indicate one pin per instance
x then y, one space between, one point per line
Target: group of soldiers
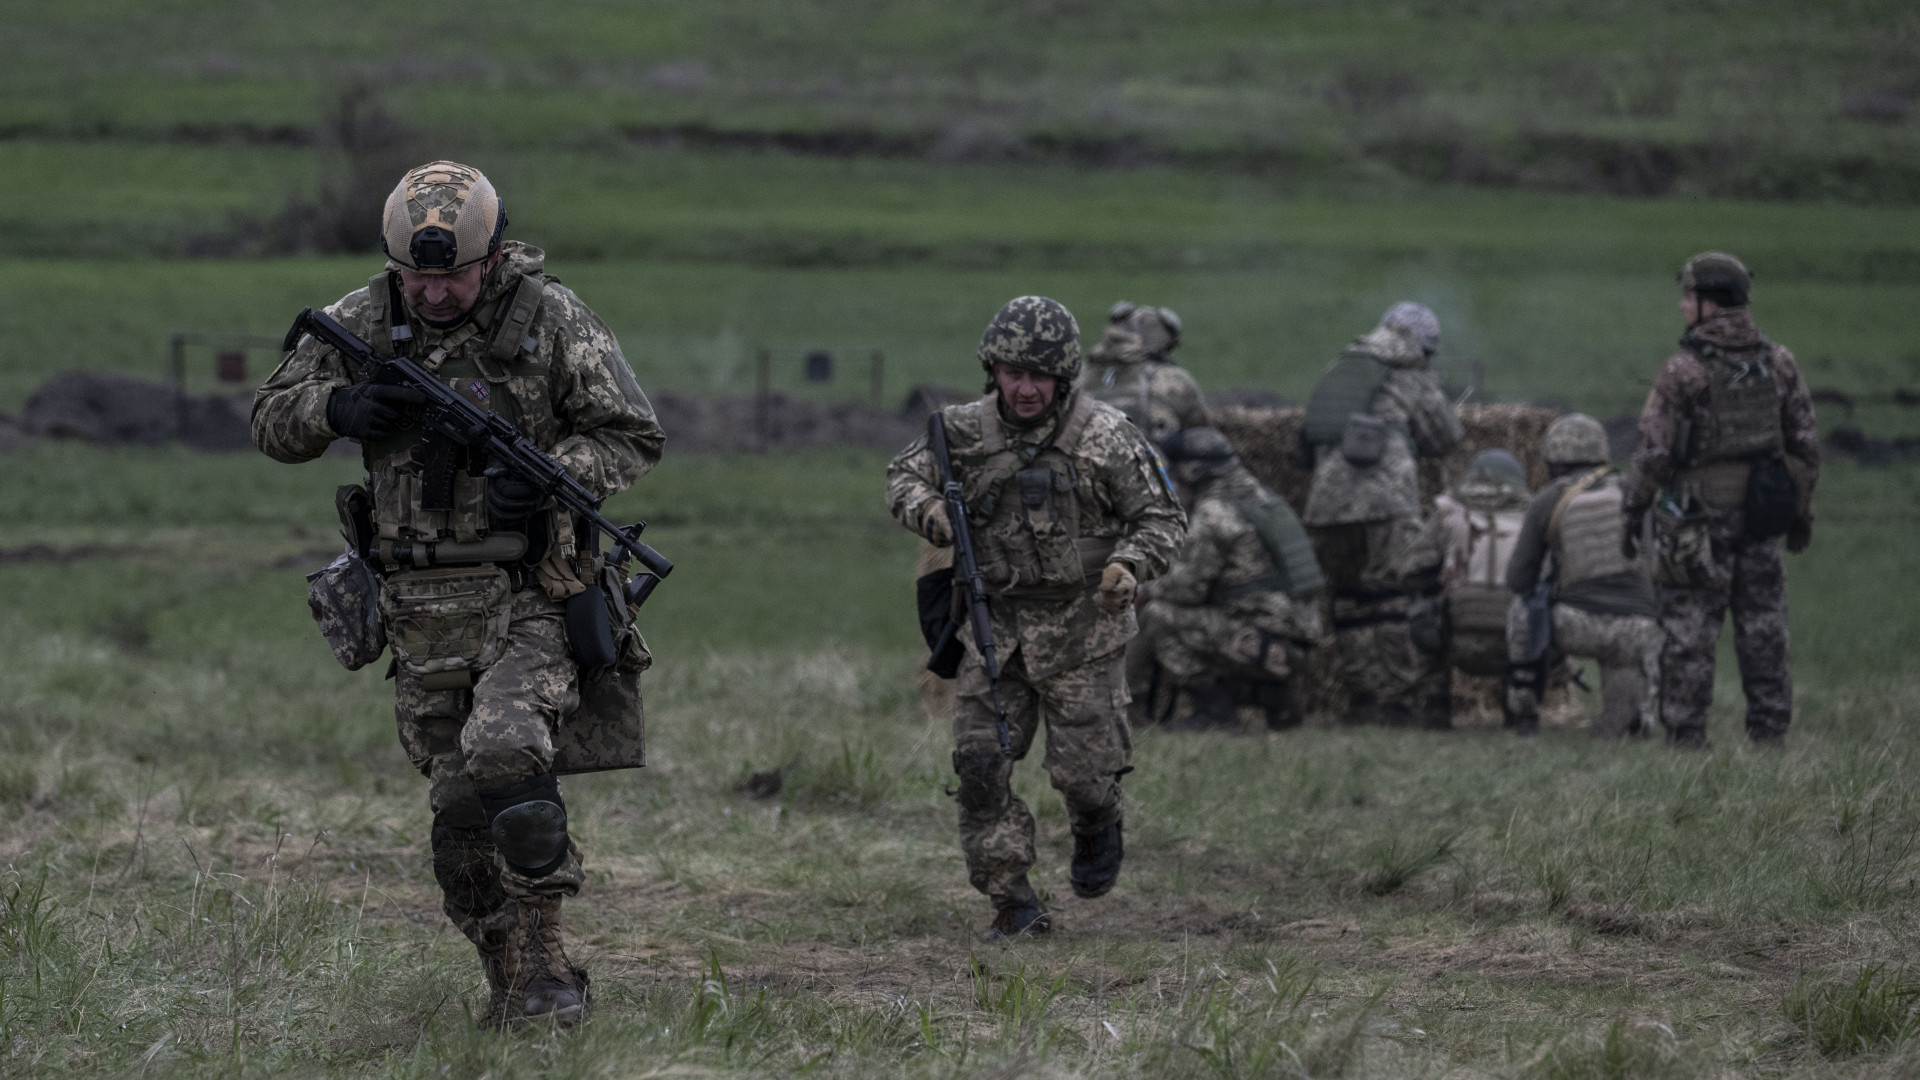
1124 550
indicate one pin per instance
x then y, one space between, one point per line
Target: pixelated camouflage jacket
1223 550
1681 397
1123 495
1422 420
576 397
1158 396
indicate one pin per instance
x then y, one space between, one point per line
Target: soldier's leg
1520 702
1759 601
1690 623
518 703
1414 687
1614 642
1088 749
464 861
1187 648
996 828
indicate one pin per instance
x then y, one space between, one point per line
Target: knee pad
983 781
464 868
528 824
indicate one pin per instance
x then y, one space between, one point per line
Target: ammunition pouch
447 625
345 600
1363 442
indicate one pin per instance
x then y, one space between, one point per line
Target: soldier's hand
510 500
370 410
935 526
1116 588
1799 535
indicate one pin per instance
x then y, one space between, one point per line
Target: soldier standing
484 675
1374 412
1132 369
1602 601
1069 509
1236 616
1728 432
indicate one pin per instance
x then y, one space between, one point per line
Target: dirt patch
109 409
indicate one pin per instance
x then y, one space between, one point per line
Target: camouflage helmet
1496 467
1418 321
1158 327
1034 333
1576 439
442 217
1198 452
1724 278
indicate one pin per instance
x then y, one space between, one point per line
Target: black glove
369 410
1799 535
510 500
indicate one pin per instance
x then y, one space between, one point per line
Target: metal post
177 362
876 376
763 398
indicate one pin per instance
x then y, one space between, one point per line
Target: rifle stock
967 567
489 438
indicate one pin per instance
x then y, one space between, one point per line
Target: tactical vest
1586 531
1743 406
1347 388
1296 571
1024 501
1477 603
428 489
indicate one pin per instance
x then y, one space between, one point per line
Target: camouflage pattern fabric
1159 397
1423 422
1124 498
1747 578
1680 402
1627 648
1035 333
1088 744
1374 570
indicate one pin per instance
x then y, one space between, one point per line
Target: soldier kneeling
1232 622
1596 603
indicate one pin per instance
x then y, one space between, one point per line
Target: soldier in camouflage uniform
1728 433
1601 602
1132 370
486 682
1069 509
1376 411
1477 522
1235 617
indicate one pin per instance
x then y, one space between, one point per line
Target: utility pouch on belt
590 629
345 599
445 621
1682 551
1773 500
1363 442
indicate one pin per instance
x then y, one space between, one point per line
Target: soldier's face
1027 393
445 299
1693 309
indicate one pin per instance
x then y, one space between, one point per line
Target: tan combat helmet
1576 439
1718 277
1158 327
1034 333
442 217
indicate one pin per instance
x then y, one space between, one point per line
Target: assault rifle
488 439
967 568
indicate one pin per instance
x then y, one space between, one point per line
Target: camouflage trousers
1374 570
499 732
1180 646
1088 746
1749 579
1627 648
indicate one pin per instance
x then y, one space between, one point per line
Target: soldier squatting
1106 601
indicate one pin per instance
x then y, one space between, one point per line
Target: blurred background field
215 853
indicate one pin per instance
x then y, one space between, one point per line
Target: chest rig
427 488
1024 502
1743 405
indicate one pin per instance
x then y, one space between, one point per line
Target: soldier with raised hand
1069 509
1236 617
1728 434
485 678
1375 412
1132 369
1602 604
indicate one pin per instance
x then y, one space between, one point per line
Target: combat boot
1024 919
541 985
1096 861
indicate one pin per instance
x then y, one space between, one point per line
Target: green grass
216 854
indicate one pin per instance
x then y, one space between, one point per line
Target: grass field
216 854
